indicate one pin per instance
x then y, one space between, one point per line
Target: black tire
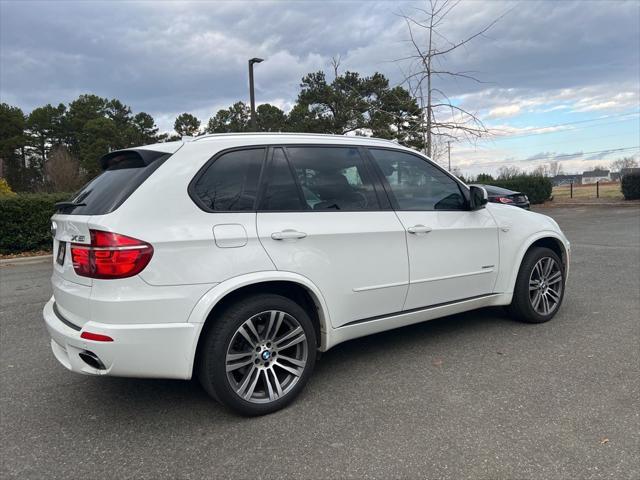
521 307
213 354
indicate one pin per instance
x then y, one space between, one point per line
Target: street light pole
252 95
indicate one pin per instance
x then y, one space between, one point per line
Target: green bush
536 187
25 221
630 186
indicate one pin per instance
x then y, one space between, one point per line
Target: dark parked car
505 196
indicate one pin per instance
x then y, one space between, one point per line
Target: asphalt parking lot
470 396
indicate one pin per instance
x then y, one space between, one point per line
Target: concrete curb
25 260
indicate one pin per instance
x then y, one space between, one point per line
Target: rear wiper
60 205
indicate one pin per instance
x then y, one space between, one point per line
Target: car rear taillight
110 255
504 200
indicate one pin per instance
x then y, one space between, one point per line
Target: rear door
321 216
453 252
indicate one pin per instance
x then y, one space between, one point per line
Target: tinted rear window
112 187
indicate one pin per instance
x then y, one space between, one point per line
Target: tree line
56 148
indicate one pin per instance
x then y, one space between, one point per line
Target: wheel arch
293 286
547 239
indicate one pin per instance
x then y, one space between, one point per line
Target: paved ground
470 396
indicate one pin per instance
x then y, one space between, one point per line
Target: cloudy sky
561 79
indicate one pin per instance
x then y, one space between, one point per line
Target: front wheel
258 354
539 287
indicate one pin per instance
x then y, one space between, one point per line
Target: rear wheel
258 355
539 287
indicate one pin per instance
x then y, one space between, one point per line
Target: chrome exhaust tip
92 360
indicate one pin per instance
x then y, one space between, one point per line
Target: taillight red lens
504 200
110 255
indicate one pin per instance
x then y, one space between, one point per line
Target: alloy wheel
266 357
545 286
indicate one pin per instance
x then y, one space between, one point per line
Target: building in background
566 179
593 176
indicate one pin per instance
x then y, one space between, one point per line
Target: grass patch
609 191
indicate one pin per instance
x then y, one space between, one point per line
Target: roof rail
288 134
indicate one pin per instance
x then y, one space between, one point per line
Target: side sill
401 313
369 326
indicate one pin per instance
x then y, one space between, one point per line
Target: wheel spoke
547 268
537 271
295 371
276 382
246 336
272 319
534 285
289 335
237 356
554 277
545 304
245 381
300 337
252 386
234 366
267 382
298 363
536 300
252 328
553 295
278 325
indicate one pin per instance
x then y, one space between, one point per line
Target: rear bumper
138 350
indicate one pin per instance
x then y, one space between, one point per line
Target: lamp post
252 95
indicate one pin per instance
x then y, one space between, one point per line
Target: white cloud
504 112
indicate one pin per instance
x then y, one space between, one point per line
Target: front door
453 252
320 216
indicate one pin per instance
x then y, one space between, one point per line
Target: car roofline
294 135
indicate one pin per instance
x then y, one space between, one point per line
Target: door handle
288 234
417 229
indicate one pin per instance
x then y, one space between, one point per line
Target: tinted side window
281 192
230 183
333 178
416 184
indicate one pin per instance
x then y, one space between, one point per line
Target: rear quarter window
229 182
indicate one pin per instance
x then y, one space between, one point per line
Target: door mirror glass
478 197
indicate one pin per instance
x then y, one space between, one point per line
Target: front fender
510 276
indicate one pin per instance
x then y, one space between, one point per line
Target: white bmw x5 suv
236 258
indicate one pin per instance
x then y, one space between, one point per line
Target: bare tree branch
442 118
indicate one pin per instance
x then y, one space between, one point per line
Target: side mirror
478 197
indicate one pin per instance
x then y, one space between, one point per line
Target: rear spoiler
143 155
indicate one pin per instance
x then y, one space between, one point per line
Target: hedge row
25 221
537 188
630 186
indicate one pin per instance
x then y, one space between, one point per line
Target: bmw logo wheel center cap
264 355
